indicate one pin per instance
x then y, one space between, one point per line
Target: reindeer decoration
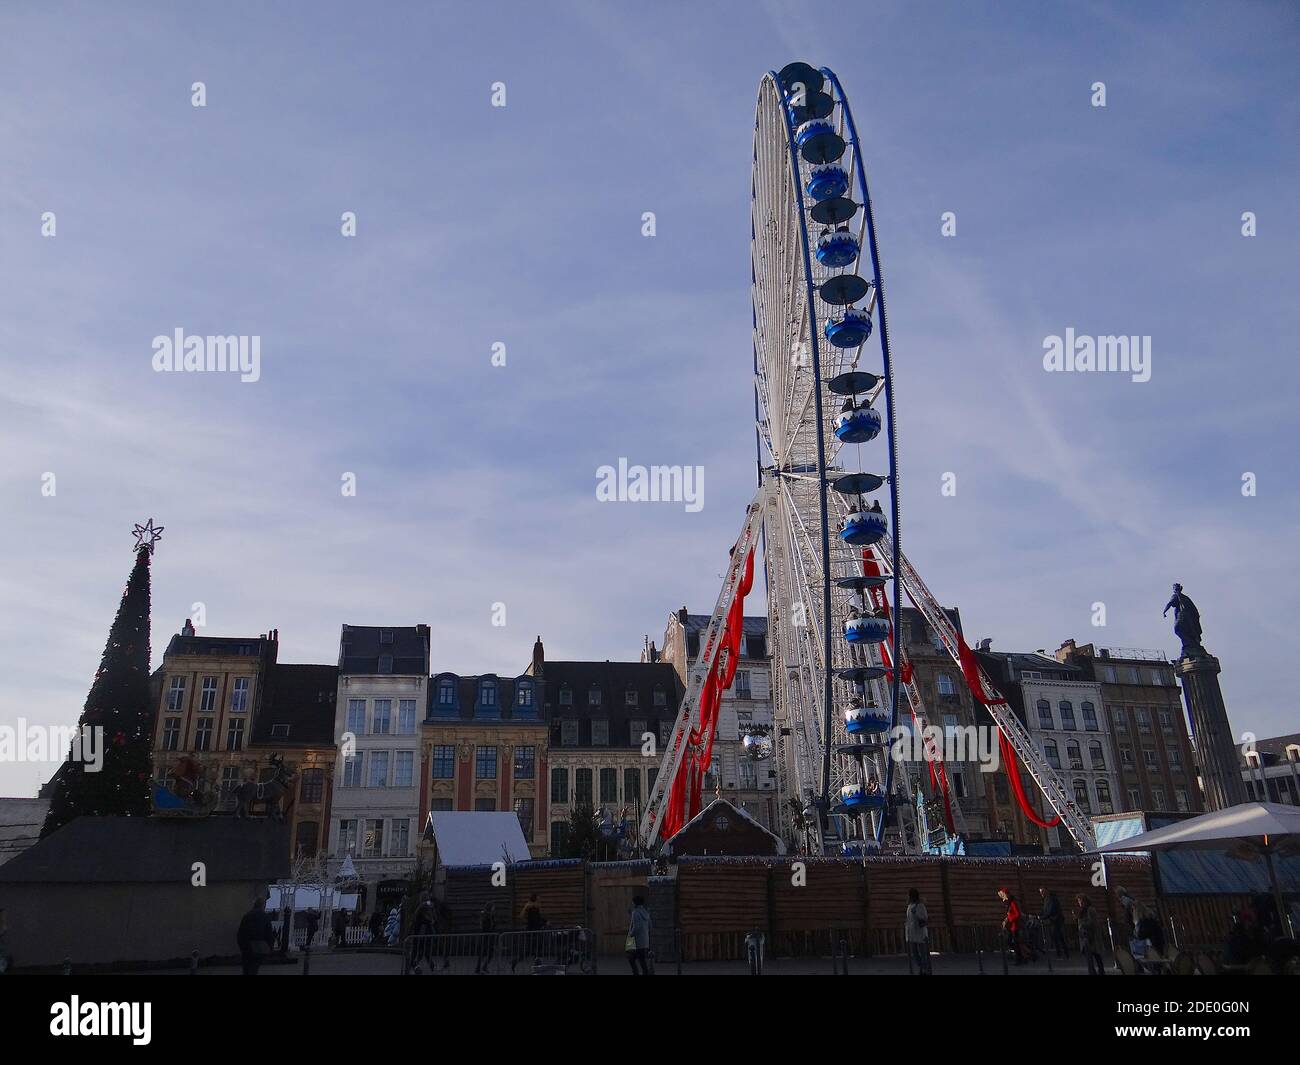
272 792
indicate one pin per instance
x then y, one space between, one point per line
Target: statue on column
1187 623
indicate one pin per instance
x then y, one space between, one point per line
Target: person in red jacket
1011 924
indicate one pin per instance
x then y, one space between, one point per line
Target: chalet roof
731 808
117 850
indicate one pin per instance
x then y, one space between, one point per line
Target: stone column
1216 752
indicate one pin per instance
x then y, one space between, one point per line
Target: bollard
1004 946
67 966
844 953
677 945
1048 955
979 948
194 963
306 959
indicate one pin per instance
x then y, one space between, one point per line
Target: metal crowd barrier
548 952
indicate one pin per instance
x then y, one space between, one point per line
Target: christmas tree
118 708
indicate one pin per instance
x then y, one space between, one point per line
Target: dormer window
279 732
593 697
488 693
661 697
566 696
629 698
385 663
385 635
525 697
446 693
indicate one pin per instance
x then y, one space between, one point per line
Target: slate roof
301 697
120 850
360 649
613 680
467 694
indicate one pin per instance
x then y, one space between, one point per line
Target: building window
356 716
208 695
1174 758
525 763
1158 798
747 773
485 806
176 694
1180 796
1081 796
665 733
945 685
372 843
485 763
400 845
443 760
385 635
352 771
203 735
1045 714
312 788
635 730
1149 757
600 733
559 838
566 696
631 785
629 698
235 734
582 785
1072 753
1000 789
569 732
440 806
1097 755
1126 755
171 733
593 697
280 732
381 723
488 693
1067 715
385 663
406 717
1121 722
525 696
524 811
446 693
229 780
1103 797
1089 716
1166 721
347 838
1144 720
661 696
651 775
1052 755
609 785
404 769
559 785
756 646
743 691
239 696
378 769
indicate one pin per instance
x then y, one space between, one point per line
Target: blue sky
522 225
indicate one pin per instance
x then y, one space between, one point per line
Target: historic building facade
1144 708
747 784
382 698
226 706
483 746
608 722
1270 769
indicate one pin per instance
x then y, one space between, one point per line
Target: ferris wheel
827 517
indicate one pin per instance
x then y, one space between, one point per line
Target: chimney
985 645
539 658
1066 651
188 628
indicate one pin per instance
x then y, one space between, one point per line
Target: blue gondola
836 248
866 630
862 797
860 848
818 142
857 426
869 718
850 330
828 181
864 527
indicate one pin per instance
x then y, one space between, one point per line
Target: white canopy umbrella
1252 828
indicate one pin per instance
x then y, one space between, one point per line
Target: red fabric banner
1017 786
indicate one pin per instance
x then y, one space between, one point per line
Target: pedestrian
393 926
286 927
534 922
339 922
442 924
1128 916
376 926
1011 924
487 941
638 937
311 921
1054 922
256 935
421 929
1089 935
916 930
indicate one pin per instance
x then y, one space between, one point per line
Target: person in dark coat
487 944
376 926
1054 922
1089 935
340 927
256 935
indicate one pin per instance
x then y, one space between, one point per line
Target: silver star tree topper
147 535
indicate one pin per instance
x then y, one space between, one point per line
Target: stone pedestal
1216 751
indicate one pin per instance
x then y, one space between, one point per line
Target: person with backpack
916 931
